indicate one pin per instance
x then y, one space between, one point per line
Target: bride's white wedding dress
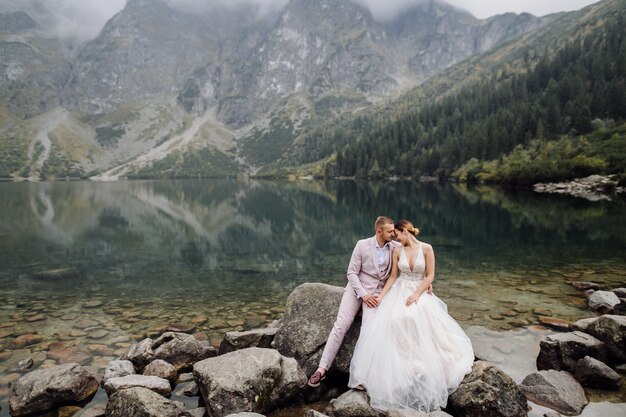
410 357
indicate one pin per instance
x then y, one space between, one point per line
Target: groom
369 268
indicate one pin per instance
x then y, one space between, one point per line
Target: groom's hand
370 300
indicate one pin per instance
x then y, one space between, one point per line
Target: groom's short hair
381 221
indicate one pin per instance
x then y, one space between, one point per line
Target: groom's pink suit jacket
365 276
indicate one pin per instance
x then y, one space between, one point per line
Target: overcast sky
83 19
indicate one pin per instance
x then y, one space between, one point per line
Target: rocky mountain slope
163 91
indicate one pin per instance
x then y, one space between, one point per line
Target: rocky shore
593 187
256 372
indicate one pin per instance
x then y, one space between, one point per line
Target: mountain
164 91
548 106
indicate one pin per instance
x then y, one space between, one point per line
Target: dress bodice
419 266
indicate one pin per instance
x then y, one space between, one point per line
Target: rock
261 338
181 350
552 414
185 377
313 413
153 383
45 389
57 274
141 402
555 322
23 365
93 304
252 379
245 415
583 324
195 412
70 355
180 328
557 390
26 340
140 354
438 413
117 369
603 301
562 351
98 334
407 413
592 373
611 329
353 403
620 292
85 324
189 389
585 285
487 391
310 313
162 369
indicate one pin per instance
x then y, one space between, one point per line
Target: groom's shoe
315 379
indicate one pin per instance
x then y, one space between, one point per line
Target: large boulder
261 338
118 368
353 403
310 313
140 354
252 379
557 390
48 388
141 402
487 391
591 372
178 349
611 329
603 301
562 351
181 350
162 369
153 383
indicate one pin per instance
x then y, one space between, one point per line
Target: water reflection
224 255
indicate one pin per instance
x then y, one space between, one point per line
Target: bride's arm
429 256
394 274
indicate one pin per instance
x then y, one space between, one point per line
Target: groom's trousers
348 310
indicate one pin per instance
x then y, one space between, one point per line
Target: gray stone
153 383
353 403
181 350
313 413
562 351
252 338
195 412
592 373
116 369
162 369
611 329
407 413
557 390
252 379
140 354
245 415
583 324
603 301
48 388
487 391
142 402
310 313
23 365
438 413
552 414
188 389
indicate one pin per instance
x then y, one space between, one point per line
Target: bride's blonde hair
403 225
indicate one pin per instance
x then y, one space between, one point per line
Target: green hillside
557 94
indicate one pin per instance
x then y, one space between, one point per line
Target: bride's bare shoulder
427 246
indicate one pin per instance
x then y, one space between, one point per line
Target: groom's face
387 232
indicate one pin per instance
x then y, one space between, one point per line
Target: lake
133 257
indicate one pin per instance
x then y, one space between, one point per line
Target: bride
411 353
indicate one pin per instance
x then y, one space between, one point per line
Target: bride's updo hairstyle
403 225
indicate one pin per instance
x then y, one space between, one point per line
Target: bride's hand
412 299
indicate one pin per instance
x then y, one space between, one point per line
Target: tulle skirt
410 357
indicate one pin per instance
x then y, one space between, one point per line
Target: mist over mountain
168 80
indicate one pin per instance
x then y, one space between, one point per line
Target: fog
81 20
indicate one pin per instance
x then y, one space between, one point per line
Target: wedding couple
410 353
